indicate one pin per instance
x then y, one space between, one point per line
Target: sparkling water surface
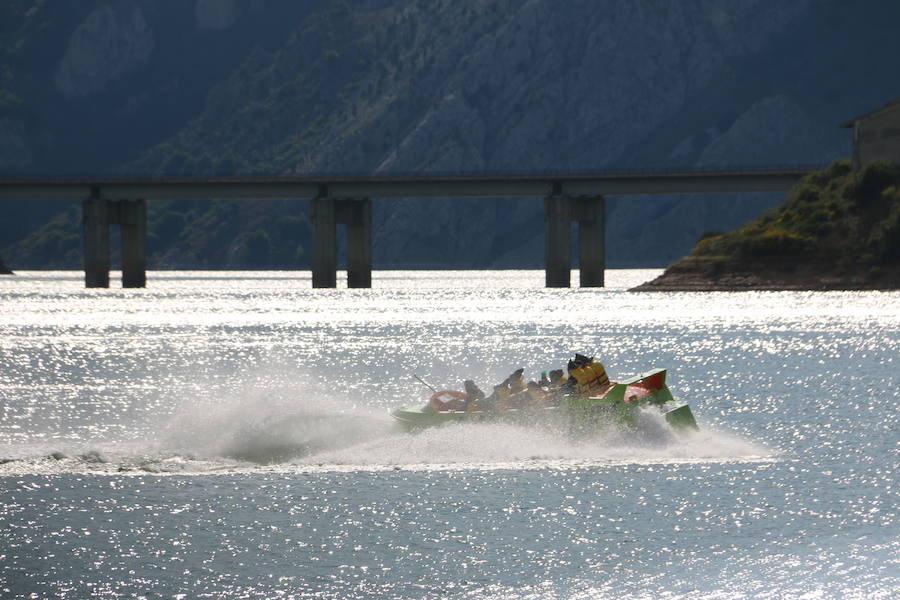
226 435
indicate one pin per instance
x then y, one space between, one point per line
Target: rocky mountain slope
269 86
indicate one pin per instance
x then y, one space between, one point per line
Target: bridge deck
394 186
347 199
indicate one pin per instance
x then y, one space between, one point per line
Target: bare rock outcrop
540 88
774 130
112 41
223 86
215 15
14 150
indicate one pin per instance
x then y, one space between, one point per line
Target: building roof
890 104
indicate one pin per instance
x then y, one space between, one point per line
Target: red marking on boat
653 382
635 391
445 400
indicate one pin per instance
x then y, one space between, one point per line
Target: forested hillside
273 86
838 229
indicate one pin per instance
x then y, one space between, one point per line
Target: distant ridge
838 230
414 86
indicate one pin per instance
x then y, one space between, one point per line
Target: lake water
226 435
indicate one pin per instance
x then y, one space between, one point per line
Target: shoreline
771 281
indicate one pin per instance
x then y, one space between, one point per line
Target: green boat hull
618 407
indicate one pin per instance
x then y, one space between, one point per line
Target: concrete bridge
347 200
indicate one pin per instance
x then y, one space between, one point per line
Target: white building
876 135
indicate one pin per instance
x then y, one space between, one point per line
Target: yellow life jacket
590 378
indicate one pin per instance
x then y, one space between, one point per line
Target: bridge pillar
324 242
95 219
557 255
326 214
97 215
359 242
590 213
133 219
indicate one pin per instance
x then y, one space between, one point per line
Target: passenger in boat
579 362
517 381
556 378
536 395
518 390
489 404
586 376
512 392
501 395
502 391
554 388
475 399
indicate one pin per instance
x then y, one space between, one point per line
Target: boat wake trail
504 445
313 433
275 429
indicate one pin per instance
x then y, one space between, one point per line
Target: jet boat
614 404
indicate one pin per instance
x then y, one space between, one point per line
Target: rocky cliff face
113 40
215 15
14 149
482 85
550 87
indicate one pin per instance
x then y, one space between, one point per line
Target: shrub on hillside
884 241
864 187
775 242
833 214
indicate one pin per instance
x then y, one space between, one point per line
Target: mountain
153 87
838 229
